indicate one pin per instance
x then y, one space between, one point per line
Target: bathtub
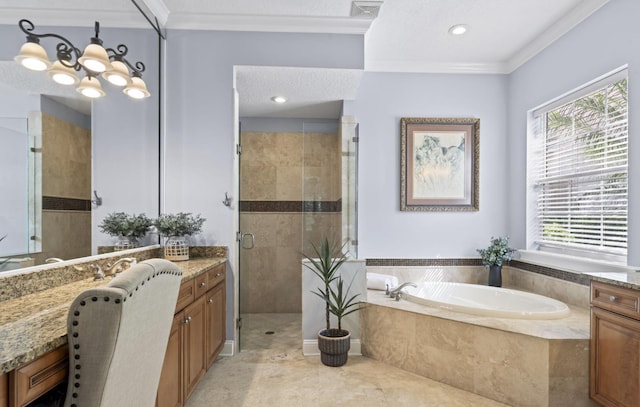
486 301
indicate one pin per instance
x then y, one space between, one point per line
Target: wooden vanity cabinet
4 390
216 318
614 377
170 388
32 380
200 312
193 334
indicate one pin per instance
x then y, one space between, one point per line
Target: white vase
176 249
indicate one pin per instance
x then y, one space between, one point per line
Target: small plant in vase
128 228
493 256
175 227
334 343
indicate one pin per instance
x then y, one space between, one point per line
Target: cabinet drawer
216 275
616 299
186 295
202 284
36 378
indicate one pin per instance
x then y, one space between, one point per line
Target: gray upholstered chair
118 336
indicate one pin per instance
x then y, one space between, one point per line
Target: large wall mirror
61 151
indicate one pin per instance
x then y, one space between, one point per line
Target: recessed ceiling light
458 29
279 99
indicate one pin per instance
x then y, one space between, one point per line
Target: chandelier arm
136 69
66 52
118 53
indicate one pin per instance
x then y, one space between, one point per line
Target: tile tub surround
569 292
36 323
517 362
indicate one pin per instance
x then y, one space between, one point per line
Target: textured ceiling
407 35
311 93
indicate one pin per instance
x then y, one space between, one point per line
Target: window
577 172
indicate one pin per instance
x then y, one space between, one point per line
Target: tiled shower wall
290 195
66 190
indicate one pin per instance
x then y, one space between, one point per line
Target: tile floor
271 371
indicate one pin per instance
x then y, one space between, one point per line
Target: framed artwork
439 164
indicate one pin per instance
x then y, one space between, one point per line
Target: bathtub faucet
397 292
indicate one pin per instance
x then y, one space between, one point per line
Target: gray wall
384 98
199 142
598 45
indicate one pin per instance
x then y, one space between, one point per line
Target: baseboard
229 348
310 347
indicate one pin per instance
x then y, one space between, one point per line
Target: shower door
330 184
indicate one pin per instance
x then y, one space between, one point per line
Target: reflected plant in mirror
128 228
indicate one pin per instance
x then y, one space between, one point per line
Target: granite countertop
34 324
629 279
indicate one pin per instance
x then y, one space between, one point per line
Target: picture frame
439 164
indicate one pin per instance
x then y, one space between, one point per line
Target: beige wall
282 170
66 173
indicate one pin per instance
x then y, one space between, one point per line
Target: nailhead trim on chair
75 323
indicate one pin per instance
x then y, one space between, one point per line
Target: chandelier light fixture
94 61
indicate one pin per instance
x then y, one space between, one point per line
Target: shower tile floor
271 371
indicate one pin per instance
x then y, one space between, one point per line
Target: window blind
581 174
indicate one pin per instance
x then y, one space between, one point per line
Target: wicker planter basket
176 249
334 347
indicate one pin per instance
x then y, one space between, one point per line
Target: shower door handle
243 241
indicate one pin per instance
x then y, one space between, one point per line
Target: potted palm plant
333 343
175 227
128 228
493 257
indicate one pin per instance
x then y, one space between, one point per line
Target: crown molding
580 13
434 67
159 10
297 24
74 18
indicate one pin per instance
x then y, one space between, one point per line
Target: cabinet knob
202 284
218 275
210 301
613 298
186 320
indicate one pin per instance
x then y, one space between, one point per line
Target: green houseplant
493 256
175 227
334 343
129 228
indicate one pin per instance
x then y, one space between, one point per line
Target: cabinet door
615 359
194 345
170 388
4 390
216 315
